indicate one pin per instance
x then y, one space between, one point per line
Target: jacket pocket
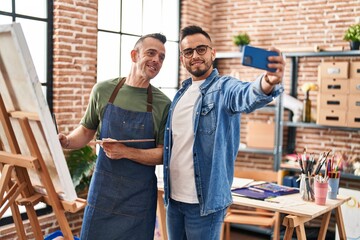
207 121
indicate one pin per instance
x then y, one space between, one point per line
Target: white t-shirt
182 181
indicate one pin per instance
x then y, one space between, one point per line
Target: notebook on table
264 190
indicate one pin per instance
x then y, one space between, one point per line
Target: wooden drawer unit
354 103
331 117
353 119
354 86
336 86
339 70
355 70
333 101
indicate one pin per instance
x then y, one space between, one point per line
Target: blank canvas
21 91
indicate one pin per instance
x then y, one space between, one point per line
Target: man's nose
157 58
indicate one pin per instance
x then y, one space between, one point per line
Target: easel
15 184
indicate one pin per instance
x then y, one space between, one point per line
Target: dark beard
200 72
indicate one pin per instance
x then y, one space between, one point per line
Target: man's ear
213 54
134 55
182 60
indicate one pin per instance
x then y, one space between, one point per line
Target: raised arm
77 138
270 79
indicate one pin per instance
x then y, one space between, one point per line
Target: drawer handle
333 102
332 118
334 86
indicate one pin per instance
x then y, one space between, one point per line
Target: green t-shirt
128 98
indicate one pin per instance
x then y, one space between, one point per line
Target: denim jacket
216 121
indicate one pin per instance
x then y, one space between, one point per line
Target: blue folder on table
264 190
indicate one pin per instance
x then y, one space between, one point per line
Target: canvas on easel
30 152
351 214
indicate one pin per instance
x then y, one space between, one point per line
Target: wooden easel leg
46 179
14 192
5 179
34 222
23 178
19 226
5 183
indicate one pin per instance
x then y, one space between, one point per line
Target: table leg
324 225
288 233
292 222
340 223
300 232
289 229
161 213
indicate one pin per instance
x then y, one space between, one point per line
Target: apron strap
116 90
149 99
121 83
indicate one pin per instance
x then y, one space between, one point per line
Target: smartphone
257 58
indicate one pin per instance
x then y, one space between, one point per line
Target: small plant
241 39
352 34
81 163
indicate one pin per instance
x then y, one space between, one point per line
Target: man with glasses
202 137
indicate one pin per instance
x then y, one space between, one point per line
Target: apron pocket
123 195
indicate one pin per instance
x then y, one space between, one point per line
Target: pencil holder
321 189
307 187
333 188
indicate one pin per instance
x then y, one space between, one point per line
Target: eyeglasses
201 50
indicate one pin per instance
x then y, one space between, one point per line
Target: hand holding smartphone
257 58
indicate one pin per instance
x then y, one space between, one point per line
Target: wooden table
299 212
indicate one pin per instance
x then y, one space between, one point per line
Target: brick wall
198 12
48 224
75 55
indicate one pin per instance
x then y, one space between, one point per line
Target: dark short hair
157 36
191 30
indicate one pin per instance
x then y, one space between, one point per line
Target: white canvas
21 91
351 214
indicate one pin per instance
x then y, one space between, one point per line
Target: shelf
314 125
257 150
292 168
352 53
267 108
228 55
349 176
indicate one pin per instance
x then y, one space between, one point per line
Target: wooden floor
237 234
